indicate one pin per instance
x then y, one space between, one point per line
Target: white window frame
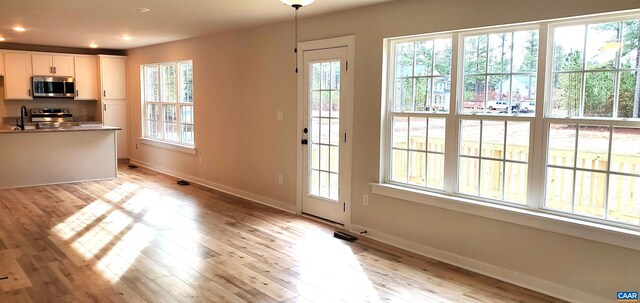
484 116
390 113
162 142
533 214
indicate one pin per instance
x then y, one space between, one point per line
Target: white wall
242 78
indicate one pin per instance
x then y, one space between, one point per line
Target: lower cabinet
114 113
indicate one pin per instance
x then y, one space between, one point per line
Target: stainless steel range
51 115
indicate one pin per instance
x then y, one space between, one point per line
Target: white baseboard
539 285
219 187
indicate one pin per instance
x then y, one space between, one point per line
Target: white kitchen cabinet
113 95
17 76
113 77
1 64
86 78
52 65
114 113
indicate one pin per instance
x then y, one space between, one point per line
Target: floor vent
344 236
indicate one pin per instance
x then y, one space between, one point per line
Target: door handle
51 69
77 93
29 92
104 93
105 107
55 70
304 142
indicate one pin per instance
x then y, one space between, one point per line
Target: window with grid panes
589 165
418 111
593 155
168 102
499 77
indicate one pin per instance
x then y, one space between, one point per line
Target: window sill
167 145
540 220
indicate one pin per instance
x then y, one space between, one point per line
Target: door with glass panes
324 151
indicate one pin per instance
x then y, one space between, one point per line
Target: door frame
349 43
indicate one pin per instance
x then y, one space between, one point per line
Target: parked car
497 105
526 107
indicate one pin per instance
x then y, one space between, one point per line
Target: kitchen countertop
81 128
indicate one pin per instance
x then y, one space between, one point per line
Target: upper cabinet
17 78
1 64
52 65
113 76
86 78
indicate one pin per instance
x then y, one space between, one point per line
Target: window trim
388 105
169 145
612 232
544 220
162 142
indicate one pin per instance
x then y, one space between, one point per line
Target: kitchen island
61 155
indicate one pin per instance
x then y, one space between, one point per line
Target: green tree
629 95
475 63
530 61
568 85
631 43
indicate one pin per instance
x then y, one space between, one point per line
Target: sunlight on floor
112 232
107 230
330 265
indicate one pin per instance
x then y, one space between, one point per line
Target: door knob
304 141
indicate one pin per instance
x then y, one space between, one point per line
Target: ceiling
78 23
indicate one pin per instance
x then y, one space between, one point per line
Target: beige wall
242 78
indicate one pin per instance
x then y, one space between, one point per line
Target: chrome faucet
23 113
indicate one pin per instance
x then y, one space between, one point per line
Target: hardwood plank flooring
143 238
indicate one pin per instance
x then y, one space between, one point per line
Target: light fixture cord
295 48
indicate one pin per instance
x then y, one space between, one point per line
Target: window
580 125
167 90
500 72
499 76
595 70
493 159
591 160
421 95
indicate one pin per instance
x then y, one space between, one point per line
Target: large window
562 141
421 97
499 76
167 95
593 154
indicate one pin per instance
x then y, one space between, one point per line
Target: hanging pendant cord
295 48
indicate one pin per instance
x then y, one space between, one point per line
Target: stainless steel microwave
53 87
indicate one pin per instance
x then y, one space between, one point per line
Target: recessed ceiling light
141 10
125 37
19 29
93 45
2 39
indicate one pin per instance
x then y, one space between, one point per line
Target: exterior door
324 151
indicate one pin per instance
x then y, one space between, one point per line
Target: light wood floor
143 238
